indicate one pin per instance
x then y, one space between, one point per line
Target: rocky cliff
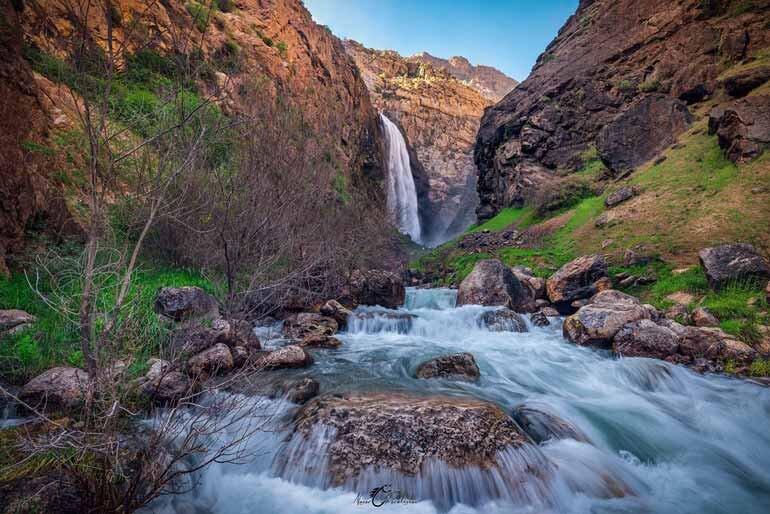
489 81
622 80
439 116
273 42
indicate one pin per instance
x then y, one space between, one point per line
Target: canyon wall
439 115
621 80
489 81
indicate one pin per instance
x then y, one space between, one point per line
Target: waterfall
402 195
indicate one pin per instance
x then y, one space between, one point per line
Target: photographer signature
383 495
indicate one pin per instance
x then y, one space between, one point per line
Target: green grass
505 218
53 340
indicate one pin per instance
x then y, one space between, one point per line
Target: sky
506 34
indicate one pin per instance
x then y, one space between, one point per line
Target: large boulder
306 324
287 357
503 320
180 303
460 366
727 263
642 132
576 280
743 127
193 338
164 385
336 310
716 345
377 287
14 319
492 283
56 389
535 285
214 361
598 322
401 433
645 338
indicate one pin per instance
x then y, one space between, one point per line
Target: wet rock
619 196
306 324
542 426
320 341
550 312
236 332
598 322
303 390
180 303
716 345
743 127
164 385
377 287
640 133
460 366
702 317
401 433
535 285
14 319
645 338
503 320
336 310
492 283
539 319
215 361
576 280
742 83
727 263
56 389
291 356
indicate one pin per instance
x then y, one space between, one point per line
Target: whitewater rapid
682 442
402 193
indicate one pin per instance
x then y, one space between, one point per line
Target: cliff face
273 42
621 76
489 81
439 116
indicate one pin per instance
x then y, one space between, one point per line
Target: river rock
716 345
59 388
619 196
503 320
539 319
216 360
336 310
576 280
163 385
492 283
306 324
236 332
377 287
535 285
702 317
180 303
319 341
460 366
240 354
645 338
400 433
14 319
727 263
550 312
302 391
542 426
598 322
193 338
743 127
291 356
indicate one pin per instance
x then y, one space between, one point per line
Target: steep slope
630 66
273 43
489 81
439 116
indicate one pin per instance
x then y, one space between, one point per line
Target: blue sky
506 34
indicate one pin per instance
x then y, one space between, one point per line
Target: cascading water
649 437
402 194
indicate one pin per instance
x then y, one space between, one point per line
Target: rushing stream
682 442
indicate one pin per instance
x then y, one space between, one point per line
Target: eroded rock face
743 127
400 433
490 82
597 323
727 263
377 287
641 132
291 356
306 324
503 320
56 389
181 303
492 283
576 280
460 366
742 83
607 59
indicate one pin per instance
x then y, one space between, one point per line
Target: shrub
201 14
282 48
649 86
625 86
